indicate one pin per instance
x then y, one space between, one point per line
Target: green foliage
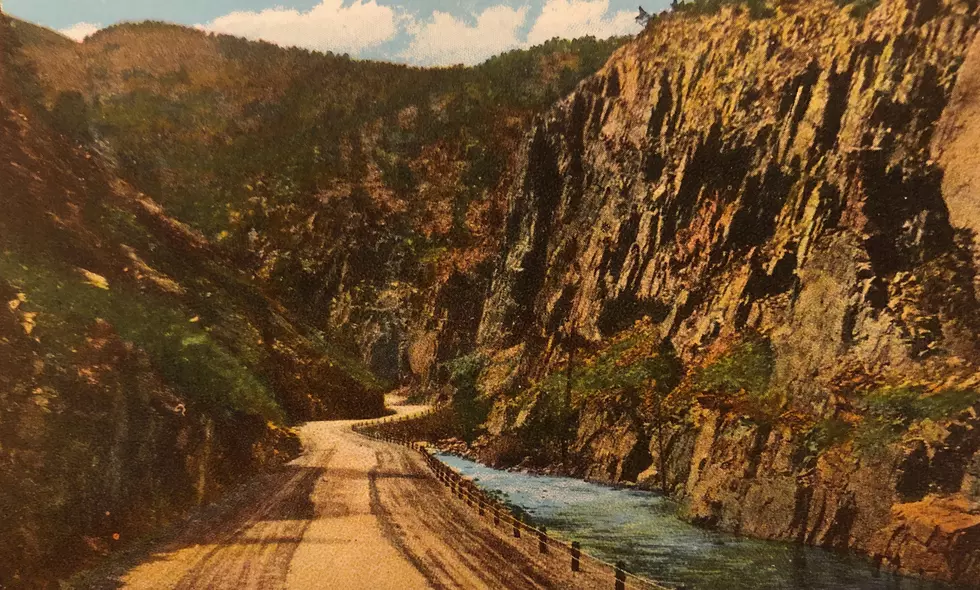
827 434
874 437
464 372
470 409
756 8
635 372
746 368
70 116
184 353
890 411
617 370
859 8
905 405
536 77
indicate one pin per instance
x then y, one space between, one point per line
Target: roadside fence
488 508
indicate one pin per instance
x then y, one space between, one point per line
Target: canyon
733 259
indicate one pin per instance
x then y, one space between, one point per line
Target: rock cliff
779 180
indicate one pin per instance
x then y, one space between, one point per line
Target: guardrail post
496 515
517 527
576 556
543 540
482 509
620 575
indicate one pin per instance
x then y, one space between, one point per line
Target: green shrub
70 116
827 434
859 8
757 8
906 405
618 369
464 372
741 375
635 372
470 409
890 411
746 368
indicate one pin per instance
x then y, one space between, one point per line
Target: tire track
349 513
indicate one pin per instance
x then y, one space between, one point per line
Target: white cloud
577 18
446 40
437 39
329 26
79 31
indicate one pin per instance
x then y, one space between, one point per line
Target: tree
572 342
70 116
644 17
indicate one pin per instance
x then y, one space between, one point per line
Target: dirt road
349 513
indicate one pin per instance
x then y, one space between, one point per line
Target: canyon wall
725 178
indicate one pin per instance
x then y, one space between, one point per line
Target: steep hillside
139 376
366 196
740 227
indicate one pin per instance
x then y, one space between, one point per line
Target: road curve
349 513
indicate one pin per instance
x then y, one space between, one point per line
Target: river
642 529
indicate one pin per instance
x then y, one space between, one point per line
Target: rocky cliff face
782 177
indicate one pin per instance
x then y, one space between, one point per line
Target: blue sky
425 32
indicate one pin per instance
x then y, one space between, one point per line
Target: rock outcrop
723 176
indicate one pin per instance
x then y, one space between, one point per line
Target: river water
642 529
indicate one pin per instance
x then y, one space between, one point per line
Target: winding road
349 513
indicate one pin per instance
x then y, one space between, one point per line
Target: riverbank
643 529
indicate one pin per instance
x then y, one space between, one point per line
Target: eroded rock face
956 146
722 175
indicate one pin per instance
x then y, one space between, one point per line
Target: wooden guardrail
501 515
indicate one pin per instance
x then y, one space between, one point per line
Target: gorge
732 259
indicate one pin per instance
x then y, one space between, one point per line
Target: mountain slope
139 376
362 195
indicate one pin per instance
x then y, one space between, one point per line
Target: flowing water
642 529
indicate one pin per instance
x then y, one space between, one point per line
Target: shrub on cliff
636 372
739 373
630 364
859 8
757 8
889 412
